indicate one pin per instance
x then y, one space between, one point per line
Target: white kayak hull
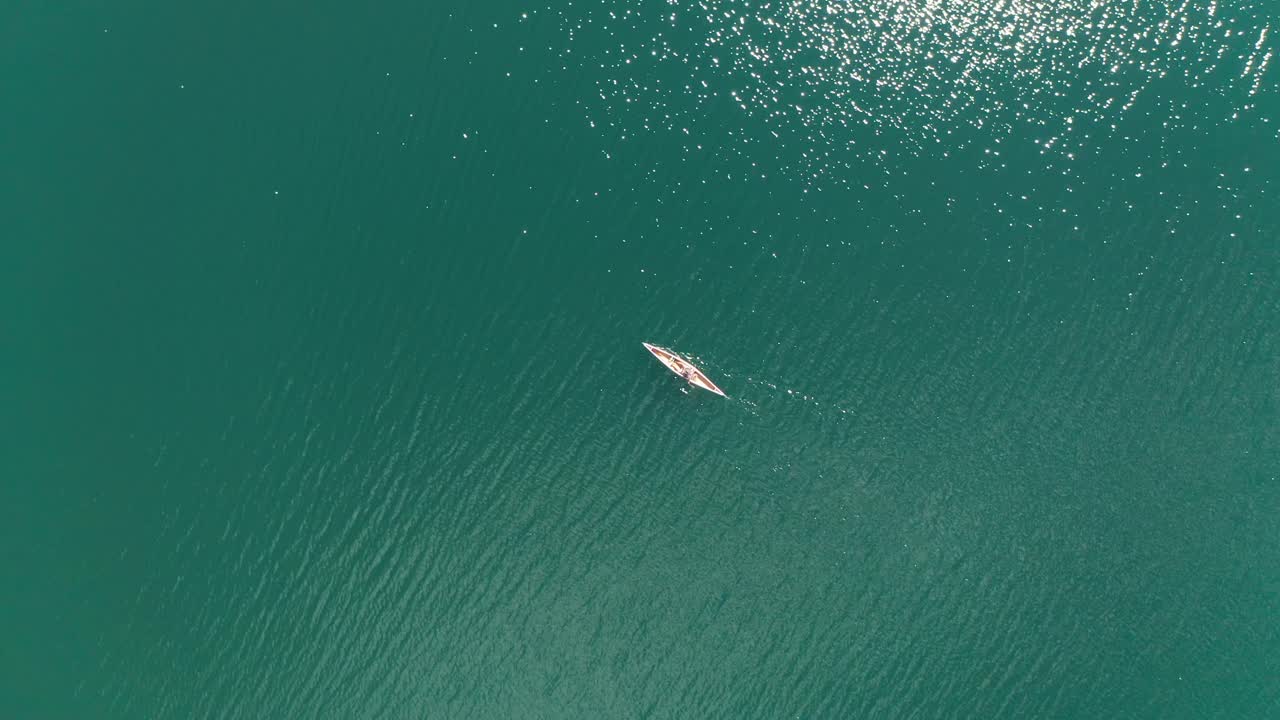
683 368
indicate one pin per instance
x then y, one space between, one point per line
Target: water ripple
817 83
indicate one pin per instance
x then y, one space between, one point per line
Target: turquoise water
325 394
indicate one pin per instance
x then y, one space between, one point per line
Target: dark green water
324 393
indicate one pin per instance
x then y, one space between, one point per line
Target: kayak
683 368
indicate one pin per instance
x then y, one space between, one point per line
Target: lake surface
324 393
